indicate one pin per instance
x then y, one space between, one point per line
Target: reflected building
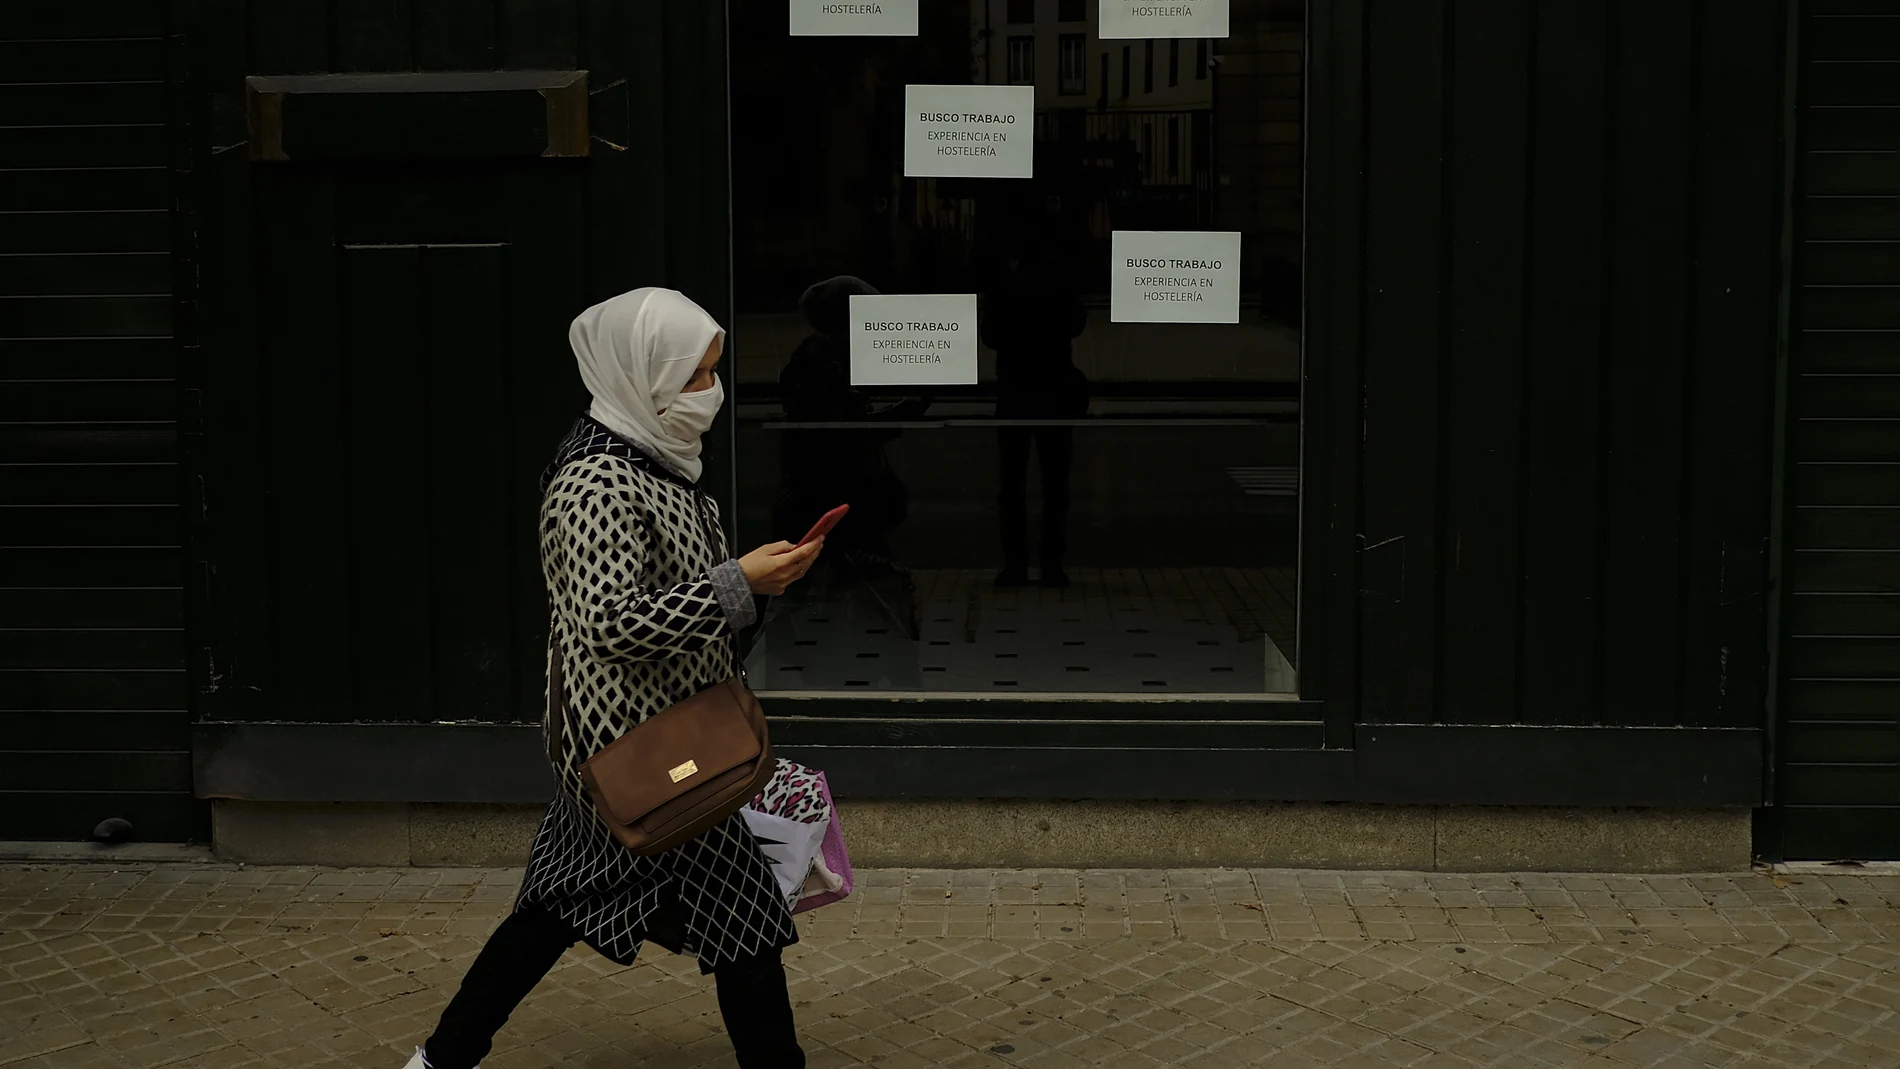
1123 128
1168 134
1128 129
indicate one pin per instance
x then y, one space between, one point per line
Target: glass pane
1111 506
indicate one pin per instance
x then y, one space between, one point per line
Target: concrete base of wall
365 834
1014 834
1312 836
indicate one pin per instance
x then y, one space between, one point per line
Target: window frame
1019 45
1299 722
1079 84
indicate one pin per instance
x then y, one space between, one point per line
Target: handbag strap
557 715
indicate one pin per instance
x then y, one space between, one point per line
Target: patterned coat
644 601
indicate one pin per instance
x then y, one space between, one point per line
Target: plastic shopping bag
798 831
831 869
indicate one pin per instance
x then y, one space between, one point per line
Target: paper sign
864 18
1167 276
913 340
1122 19
969 131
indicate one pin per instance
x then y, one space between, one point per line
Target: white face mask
692 414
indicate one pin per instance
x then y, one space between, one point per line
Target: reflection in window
1113 508
1074 62
1022 61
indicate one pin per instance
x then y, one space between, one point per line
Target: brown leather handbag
678 772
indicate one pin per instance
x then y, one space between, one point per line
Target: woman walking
644 602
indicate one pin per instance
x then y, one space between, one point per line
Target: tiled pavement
220 967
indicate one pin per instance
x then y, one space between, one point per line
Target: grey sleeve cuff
735 595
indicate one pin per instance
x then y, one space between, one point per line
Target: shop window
1104 506
1072 10
1074 63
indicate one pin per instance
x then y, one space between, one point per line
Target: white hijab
636 353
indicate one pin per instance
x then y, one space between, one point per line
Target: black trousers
1055 449
753 999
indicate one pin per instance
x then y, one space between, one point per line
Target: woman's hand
770 569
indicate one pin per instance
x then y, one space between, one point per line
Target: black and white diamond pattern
640 627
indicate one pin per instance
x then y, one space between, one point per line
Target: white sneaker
417 1061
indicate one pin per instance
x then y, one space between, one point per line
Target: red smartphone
824 525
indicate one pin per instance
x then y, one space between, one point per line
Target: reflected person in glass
1030 318
824 467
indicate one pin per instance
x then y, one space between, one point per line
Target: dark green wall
93 694
1839 778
